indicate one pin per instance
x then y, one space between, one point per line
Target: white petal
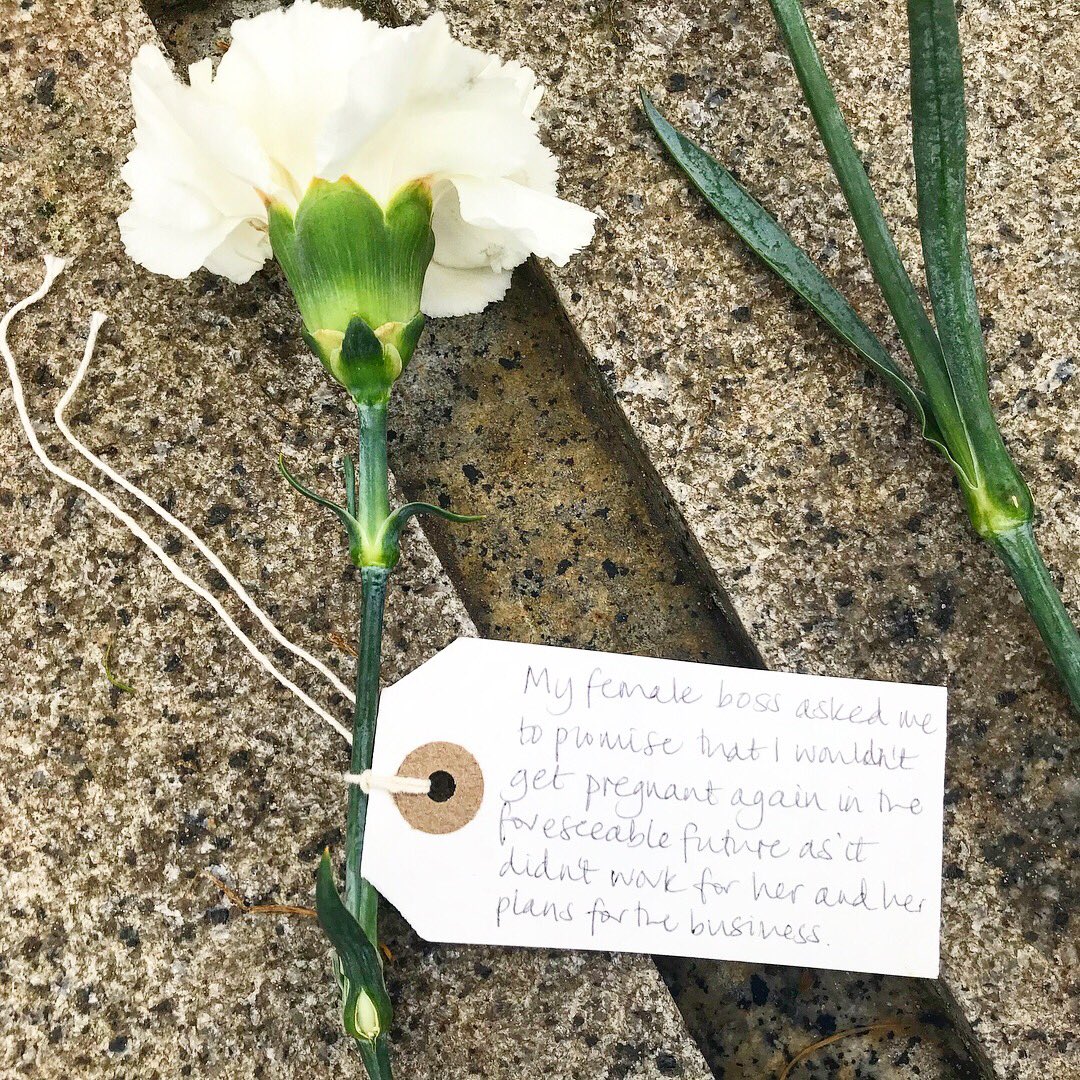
206 138
403 67
285 75
477 131
164 249
450 291
241 254
192 172
465 246
543 224
523 79
308 91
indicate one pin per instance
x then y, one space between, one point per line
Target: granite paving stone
581 552
121 956
838 538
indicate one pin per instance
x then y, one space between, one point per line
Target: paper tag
630 804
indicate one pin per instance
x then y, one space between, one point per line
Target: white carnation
311 92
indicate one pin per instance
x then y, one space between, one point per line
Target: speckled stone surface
838 538
500 413
752 1021
119 957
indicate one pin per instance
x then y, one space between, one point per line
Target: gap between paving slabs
505 413
500 407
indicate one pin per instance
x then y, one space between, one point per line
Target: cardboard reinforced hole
443 786
457 788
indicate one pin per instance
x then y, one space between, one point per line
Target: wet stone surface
120 956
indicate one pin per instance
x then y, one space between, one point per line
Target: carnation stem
1021 555
353 924
360 898
376 1058
373 488
373 509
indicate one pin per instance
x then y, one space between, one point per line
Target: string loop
53 267
367 782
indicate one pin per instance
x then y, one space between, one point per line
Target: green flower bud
357 272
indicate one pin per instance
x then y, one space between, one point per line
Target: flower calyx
366 361
357 273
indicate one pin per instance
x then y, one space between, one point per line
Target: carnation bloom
318 103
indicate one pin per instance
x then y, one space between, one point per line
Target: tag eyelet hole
443 786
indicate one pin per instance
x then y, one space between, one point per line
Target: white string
53 267
368 782
148 501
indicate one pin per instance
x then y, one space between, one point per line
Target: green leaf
352 526
391 531
914 324
998 498
349 469
376 1059
366 1009
764 236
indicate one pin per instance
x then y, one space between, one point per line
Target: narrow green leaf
939 141
914 324
360 968
306 491
997 496
390 533
349 469
389 539
352 526
376 1058
413 509
764 236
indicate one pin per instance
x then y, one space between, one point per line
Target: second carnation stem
1019 552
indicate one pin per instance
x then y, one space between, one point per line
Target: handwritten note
645 805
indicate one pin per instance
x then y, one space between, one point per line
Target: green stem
1021 555
373 509
376 1058
916 330
997 497
373 494
360 898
